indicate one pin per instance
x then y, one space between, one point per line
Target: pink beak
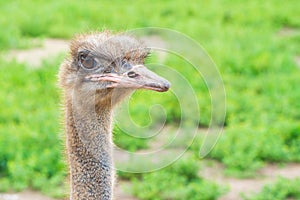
139 77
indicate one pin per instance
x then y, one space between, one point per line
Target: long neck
89 149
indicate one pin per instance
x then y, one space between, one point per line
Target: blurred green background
255 44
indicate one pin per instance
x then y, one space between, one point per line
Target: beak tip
166 86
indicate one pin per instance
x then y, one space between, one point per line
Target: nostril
132 74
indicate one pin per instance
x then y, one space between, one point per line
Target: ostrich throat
89 146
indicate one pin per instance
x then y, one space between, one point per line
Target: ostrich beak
139 77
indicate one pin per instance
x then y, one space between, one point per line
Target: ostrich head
109 66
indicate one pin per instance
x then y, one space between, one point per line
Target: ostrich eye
126 65
87 61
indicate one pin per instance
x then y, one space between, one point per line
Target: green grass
179 181
257 65
280 190
30 145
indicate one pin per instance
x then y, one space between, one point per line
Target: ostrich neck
89 149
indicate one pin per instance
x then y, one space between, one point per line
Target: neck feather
89 146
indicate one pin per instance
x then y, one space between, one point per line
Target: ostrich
102 69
